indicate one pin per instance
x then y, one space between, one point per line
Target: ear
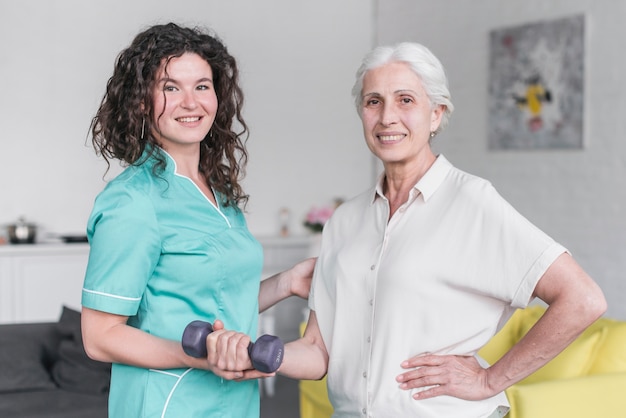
435 117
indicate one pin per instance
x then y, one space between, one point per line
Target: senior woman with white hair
418 273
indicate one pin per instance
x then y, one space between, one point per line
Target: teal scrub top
164 255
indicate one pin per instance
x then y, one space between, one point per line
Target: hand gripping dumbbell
266 353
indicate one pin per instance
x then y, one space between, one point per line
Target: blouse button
373 266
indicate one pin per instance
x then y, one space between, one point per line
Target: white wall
297 61
578 197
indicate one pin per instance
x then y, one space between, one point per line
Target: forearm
107 338
306 358
540 345
293 282
273 290
304 361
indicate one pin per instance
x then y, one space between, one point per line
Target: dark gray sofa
45 373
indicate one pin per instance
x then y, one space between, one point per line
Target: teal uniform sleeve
125 247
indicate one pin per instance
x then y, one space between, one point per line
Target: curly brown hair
121 128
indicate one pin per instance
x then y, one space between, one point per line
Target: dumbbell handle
266 354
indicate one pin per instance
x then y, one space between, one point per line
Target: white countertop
43 248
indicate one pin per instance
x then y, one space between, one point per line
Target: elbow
598 303
319 363
318 372
323 363
93 344
322 373
594 305
92 351
599 306
99 335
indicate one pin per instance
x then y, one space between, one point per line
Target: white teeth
194 119
389 138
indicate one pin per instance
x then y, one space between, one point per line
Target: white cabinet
37 280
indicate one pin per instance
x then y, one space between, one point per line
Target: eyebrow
173 80
396 92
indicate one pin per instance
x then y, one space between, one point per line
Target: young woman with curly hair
169 242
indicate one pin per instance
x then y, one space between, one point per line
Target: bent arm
108 338
575 302
304 359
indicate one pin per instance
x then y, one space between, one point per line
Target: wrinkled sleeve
519 252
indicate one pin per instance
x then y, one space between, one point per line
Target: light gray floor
284 403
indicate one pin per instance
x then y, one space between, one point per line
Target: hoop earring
143 127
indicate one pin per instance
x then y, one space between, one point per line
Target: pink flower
317 216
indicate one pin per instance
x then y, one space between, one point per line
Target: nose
189 101
388 116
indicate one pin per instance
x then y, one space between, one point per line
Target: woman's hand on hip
435 375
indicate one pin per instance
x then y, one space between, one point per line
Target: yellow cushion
499 343
314 401
611 355
583 397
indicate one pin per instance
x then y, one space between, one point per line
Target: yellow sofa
588 379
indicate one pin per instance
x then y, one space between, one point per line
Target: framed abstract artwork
536 85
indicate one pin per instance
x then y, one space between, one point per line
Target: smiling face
185 102
397 116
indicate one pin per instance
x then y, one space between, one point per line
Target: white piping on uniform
165 373
207 199
169 396
201 192
109 295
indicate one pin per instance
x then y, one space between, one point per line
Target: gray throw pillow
22 368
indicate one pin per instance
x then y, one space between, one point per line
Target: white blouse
442 276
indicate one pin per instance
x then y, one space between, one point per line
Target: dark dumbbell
266 353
